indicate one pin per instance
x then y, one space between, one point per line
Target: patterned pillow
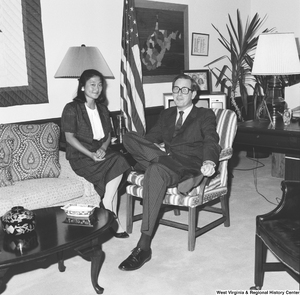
35 153
6 149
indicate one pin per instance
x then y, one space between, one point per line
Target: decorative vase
18 221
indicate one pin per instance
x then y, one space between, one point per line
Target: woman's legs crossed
110 199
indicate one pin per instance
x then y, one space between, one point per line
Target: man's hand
208 168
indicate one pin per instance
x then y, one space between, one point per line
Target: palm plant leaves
240 45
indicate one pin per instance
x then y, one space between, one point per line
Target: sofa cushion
47 192
35 153
6 149
38 193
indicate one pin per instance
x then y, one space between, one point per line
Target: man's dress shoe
136 259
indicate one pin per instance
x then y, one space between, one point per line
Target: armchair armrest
225 154
289 206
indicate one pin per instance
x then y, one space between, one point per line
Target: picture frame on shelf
168 100
215 100
202 78
200 44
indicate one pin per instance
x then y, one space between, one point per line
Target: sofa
34 173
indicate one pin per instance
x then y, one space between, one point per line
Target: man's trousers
161 172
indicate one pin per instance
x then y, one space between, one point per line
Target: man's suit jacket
196 141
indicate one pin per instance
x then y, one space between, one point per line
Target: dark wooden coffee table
53 236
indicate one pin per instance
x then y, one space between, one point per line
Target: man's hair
194 85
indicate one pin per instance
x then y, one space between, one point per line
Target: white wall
284 16
99 23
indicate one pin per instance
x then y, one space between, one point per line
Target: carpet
223 258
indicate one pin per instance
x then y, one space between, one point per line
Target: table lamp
276 55
78 59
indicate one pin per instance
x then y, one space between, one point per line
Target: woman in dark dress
87 127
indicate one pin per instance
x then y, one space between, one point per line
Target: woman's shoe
122 235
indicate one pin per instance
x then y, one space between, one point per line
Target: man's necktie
178 123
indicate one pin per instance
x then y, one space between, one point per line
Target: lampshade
78 59
276 54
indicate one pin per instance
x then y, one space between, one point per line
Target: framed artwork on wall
202 78
200 44
34 91
163 39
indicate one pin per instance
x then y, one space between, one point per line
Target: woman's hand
95 157
99 155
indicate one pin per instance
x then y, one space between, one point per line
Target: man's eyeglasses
184 90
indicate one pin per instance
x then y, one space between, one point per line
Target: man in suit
191 151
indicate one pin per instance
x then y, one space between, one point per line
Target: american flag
132 93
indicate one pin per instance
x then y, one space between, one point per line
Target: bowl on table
79 210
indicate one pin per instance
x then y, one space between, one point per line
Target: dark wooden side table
53 236
280 138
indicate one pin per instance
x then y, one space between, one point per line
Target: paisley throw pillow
6 148
35 152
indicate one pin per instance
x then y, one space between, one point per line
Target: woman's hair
85 76
194 85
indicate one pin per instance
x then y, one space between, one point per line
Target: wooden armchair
203 197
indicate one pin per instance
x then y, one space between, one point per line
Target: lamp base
275 108
274 100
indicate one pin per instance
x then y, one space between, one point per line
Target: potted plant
237 78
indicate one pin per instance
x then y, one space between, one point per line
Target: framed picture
200 44
202 78
35 90
168 100
163 39
212 101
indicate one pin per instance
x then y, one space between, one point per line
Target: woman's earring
82 88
